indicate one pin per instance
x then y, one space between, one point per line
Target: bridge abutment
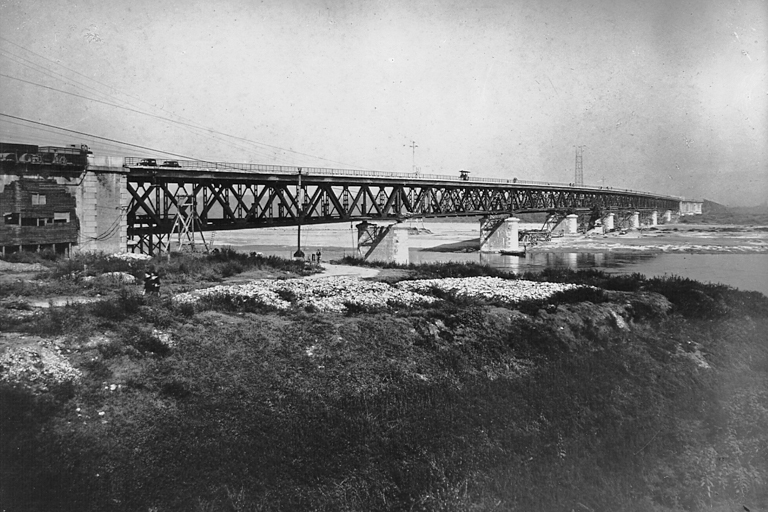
65 207
500 235
383 243
102 201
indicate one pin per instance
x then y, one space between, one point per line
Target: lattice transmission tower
579 165
413 147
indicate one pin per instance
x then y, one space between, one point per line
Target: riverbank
439 388
672 238
668 239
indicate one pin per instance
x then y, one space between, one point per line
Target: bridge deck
240 196
196 169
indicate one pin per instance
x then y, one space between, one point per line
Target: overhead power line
97 136
181 123
129 109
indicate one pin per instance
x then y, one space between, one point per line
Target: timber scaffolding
241 196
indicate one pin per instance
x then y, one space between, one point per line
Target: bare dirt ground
10 272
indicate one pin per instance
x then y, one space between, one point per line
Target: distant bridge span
241 196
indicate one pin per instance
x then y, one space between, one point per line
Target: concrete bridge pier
383 243
634 221
500 235
667 216
608 222
654 219
572 224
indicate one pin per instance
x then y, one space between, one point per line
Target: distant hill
713 207
760 209
716 213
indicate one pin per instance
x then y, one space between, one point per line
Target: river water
739 270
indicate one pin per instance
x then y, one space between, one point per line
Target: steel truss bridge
242 196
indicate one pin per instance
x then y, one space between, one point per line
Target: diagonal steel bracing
238 200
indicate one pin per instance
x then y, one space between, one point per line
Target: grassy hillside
634 394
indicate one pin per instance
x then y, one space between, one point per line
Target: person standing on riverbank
151 282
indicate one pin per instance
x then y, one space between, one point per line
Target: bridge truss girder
240 201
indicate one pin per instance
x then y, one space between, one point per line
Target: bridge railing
200 165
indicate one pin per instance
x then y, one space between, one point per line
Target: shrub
581 294
158 310
176 388
186 309
98 371
111 349
144 340
41 257
434 270
127 303
231 268
690 298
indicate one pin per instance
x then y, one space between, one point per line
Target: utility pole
299 254
413 146
579 165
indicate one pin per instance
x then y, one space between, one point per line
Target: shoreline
463 237
674 239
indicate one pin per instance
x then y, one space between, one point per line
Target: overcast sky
667 96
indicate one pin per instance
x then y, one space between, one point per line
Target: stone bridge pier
649 219
608 222
571 224
500 235
383 243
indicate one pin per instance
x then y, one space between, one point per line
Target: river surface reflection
743 271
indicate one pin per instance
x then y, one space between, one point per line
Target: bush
434 270
581 294
29 257
231 268
126 304
144 340
691 298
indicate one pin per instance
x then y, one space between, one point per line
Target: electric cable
240 146
188 124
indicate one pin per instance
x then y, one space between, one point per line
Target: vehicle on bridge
72 155
171 163
147 162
